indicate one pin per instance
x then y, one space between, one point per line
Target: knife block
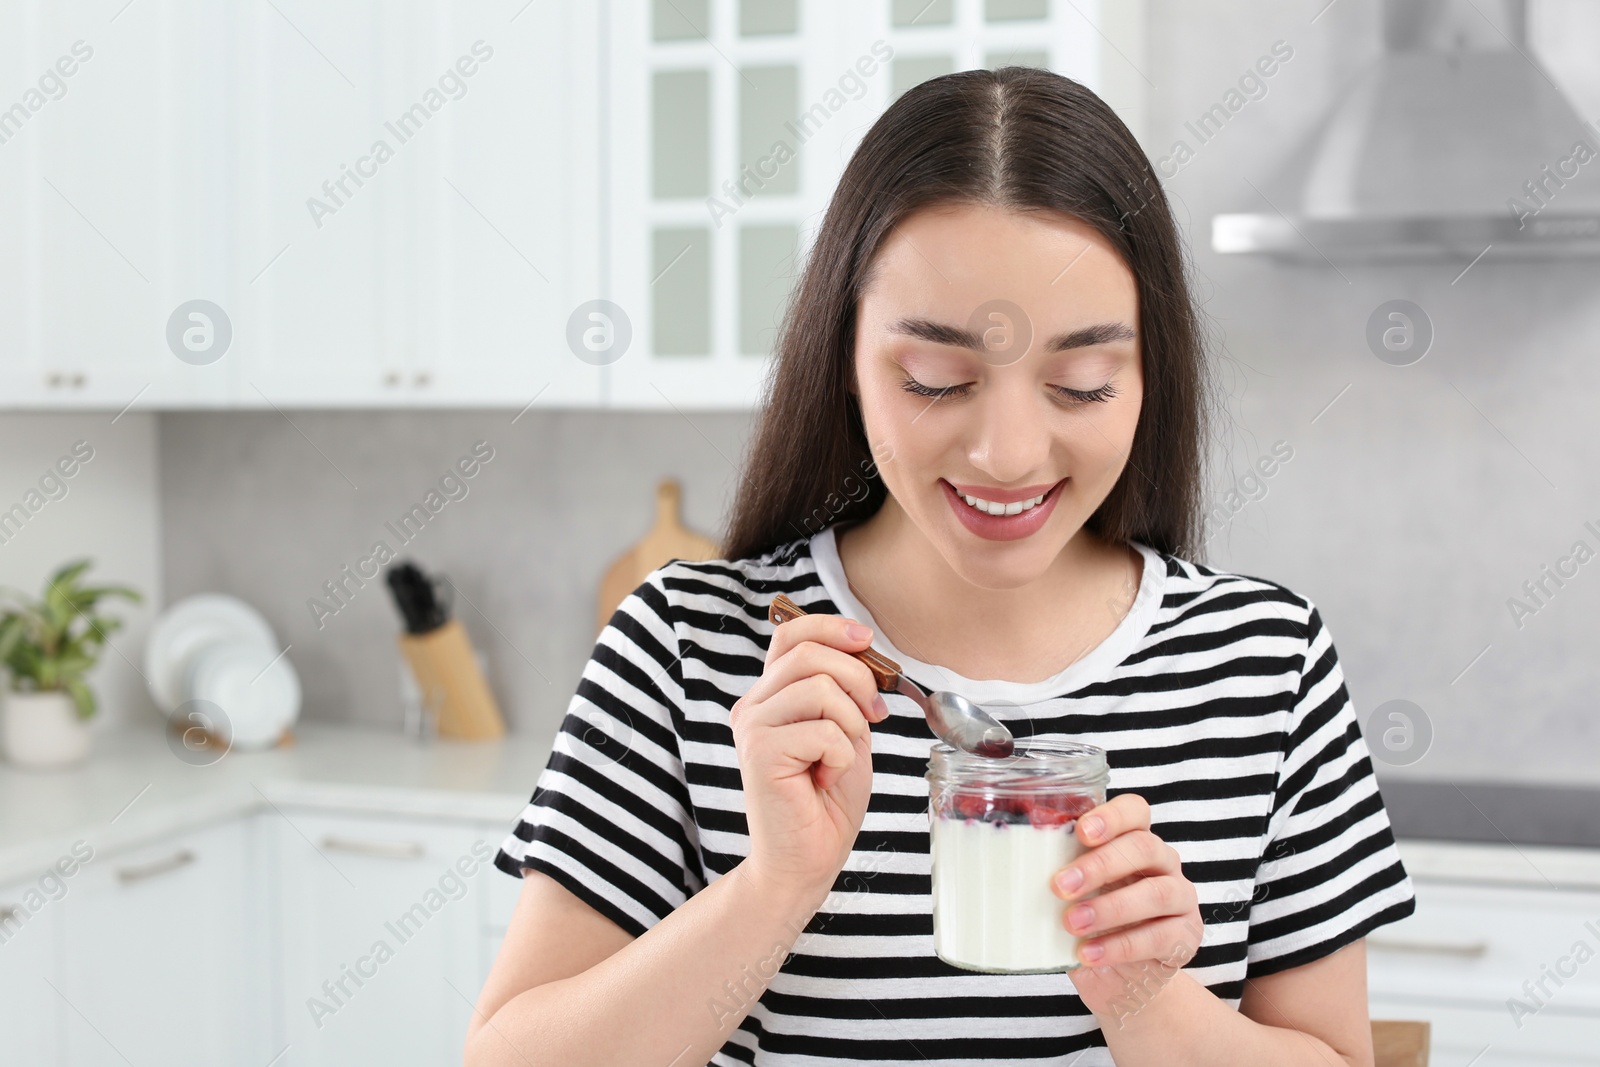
453 689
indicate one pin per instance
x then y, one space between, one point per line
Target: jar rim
1036 762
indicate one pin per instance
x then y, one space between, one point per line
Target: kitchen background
1420 498
1412 512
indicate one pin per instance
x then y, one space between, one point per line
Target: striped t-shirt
1218 698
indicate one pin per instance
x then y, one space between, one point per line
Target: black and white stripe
1219 699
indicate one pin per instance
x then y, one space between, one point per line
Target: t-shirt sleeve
1331 871
610 817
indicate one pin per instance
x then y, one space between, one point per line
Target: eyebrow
1101 333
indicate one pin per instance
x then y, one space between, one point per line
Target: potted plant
47 646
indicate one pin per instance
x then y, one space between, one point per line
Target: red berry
1060 809
968 806
1045 817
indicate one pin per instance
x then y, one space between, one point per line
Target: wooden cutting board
667 540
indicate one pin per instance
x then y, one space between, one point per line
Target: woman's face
1023 328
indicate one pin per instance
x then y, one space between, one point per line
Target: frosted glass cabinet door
112 170
729 124
712 184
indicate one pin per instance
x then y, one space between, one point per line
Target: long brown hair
1019 138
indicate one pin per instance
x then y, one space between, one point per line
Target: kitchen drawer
378 921
1489 944
174 922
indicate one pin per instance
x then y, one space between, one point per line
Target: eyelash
1100 395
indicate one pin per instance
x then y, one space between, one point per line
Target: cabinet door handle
1460 950
181 858
394 850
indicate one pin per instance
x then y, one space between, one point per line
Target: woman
981 456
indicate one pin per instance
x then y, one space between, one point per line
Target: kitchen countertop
134 791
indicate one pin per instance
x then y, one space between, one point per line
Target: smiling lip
1004 527
1003 496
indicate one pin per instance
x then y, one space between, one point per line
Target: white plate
188 626
256 690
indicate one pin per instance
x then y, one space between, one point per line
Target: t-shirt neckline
1096 665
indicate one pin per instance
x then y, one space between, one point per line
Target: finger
1168 943
811 658
823 629
816 696
1128 811
792 749
1147 899
1132 854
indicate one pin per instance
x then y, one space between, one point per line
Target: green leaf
82 696
12 630
74 664
85 598
54 641
68 574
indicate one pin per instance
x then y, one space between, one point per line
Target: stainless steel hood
1437 150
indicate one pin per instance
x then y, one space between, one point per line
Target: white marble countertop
134 791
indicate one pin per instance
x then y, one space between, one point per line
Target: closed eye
955 392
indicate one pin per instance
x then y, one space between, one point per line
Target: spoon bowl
967 726
953 718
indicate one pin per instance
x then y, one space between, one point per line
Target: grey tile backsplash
271 507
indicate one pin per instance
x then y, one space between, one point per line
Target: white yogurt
993 909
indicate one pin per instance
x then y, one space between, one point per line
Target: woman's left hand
1145 922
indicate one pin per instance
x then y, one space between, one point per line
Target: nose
1010 440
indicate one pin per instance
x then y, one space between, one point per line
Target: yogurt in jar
995 848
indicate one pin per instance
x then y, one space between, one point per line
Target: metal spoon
953 718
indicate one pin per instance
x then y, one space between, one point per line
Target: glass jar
1001 829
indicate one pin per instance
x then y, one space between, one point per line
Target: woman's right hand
805 751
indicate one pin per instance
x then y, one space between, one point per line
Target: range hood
1436 150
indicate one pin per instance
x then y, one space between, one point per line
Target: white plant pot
42 729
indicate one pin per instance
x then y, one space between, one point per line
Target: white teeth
993 508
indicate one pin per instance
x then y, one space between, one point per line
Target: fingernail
1090 953
856 632
1081 917
1069 880
1093 827
880 705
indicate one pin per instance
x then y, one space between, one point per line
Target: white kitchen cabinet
611 209
422 205
161 954
505 206
34 1013
323 245
115 200
379 935
1469 951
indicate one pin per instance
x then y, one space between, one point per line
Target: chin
1001 564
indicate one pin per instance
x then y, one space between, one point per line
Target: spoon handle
885 670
